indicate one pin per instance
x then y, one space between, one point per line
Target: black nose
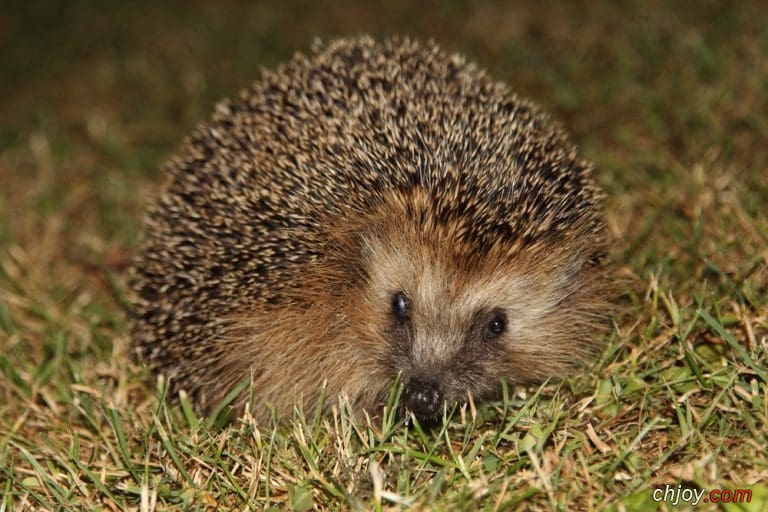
422 398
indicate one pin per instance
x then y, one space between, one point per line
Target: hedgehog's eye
497 324
400 306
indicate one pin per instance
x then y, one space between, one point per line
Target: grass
669 99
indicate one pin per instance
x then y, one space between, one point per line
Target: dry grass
670 99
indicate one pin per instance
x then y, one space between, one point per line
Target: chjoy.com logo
675 495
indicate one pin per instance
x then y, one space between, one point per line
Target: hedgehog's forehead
434 276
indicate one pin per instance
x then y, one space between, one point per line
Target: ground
669 99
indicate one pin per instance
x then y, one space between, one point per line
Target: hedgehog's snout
423 398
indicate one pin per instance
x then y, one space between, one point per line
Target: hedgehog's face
450 333
442 357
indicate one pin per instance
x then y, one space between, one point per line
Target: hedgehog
375 214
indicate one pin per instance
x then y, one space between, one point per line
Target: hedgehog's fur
374 210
